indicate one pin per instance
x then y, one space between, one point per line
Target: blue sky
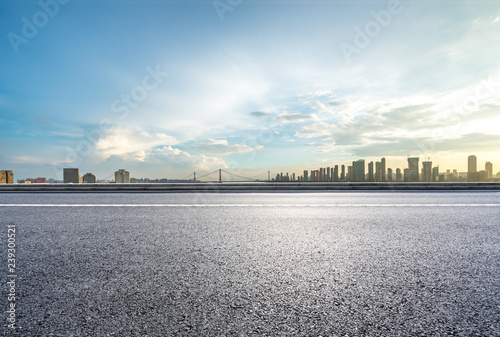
166 88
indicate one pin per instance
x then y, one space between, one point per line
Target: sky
167 88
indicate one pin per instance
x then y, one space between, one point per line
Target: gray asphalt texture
256 271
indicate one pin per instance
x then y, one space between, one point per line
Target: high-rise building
427 171
382 170
472 174
349 173
406 175
306 175
358 170
399 176
342 173
489 169
336 173
413 175
378 172
389 174
123 177
89 178
370 171
71 175
472 164
483 175
435 174
6 177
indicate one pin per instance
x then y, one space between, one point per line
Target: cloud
181 159
294 117
221 147
321 129
130 145
260 114
467 143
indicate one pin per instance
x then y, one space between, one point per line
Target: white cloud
321 129
130 145
180 159
221 147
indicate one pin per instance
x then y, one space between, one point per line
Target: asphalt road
304 264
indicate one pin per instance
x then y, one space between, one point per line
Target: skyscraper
382 170
435 173
336 173
370 171
123 177
349 173
378 173
472 164
427 171
342 173
413 175
406 175
358 170
489 168
389 174
71 175
472 174
399 176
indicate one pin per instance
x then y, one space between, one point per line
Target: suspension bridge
221 176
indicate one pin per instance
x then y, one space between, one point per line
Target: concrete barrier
249 187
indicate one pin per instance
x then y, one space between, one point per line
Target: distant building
489 169
6 177
413 175
123 177
472 174
483 175
370 171
378 171
382 170
89 178
406 175
36 180
349 173
435 174
472 164
427 171
71 175
336 173
358 170
389 174
306 175
342 173
399 176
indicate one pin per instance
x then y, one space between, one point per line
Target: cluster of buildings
378 172
72 176
357 172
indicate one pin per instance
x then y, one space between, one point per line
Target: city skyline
187 86
359 171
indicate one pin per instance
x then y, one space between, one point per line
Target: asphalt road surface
259 264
